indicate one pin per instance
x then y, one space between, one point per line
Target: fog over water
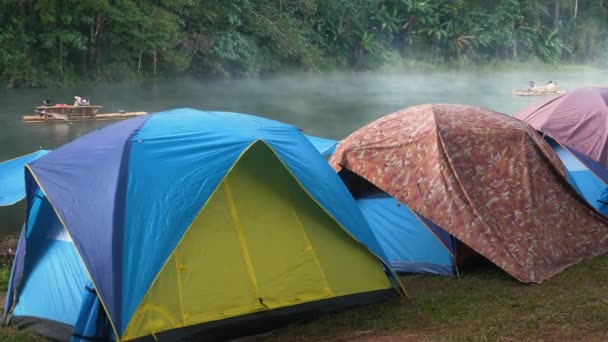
328 105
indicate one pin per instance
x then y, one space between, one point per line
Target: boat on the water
538 91
75 113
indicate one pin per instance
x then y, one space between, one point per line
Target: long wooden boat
75 113
67 111
538 91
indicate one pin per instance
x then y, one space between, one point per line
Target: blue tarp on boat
12 184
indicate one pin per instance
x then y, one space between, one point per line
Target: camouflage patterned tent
486 178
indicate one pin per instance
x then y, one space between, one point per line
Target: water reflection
61 131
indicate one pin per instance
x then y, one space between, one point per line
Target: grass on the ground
9 334
5 275
485 304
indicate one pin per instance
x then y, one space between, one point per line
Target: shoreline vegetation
59 43
403 67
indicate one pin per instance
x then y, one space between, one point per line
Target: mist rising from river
329 105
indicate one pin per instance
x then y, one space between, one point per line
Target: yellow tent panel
260 243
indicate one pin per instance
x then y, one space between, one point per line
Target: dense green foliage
46 42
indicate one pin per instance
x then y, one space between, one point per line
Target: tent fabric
263 321
587 183
157 173
325 146
43 289
411 246
205 145
577 119
12 186
265 267
603 208
598 169
53 330
16 271
92 324
83 182
487 179
34 200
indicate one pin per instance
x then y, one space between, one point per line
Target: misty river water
328 105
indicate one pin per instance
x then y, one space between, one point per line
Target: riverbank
393 64
485 304
494 66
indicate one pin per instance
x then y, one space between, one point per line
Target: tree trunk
601 3
95 28
514 47
588 47
575 9
154 62
84 60
97 41
92 40
556 13
141 52
61 57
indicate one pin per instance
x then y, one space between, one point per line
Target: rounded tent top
577 119
179 122
487 179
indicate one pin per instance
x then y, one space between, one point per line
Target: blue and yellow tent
186 221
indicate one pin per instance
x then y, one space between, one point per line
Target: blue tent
12 187
586 175
412 243
159 226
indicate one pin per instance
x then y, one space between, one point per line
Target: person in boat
551 85
531 86
47 102
79 101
